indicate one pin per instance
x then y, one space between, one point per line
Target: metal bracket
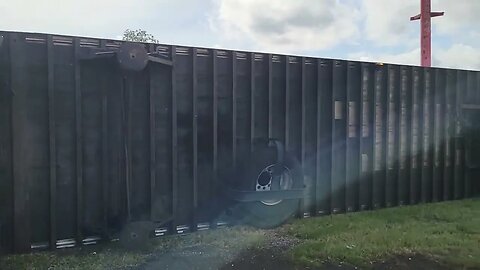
278 168
280 149
130 56
254 196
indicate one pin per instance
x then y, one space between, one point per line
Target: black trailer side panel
64 116
379 136
439 135
339 128
31 144
404 138
161 103
392 115
449 160
366 141
309 132
416 129
458 177
427 127
6 172
203 121
223 90
86 146
353 143
324 138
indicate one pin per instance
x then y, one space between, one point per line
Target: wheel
136 235
261 173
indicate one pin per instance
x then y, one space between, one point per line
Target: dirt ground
205 256
269 256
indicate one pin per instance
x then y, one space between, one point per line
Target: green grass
111 256
105 259
449 232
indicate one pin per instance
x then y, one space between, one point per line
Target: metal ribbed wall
367 135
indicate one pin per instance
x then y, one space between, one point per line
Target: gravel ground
270 254
211 250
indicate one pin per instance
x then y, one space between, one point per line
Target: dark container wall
86 146
6 168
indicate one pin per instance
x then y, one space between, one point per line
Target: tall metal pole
426 31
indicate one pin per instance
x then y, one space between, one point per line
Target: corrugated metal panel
82 140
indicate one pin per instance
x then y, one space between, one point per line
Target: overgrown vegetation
448 232
139 35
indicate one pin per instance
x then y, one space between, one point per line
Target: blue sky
371 30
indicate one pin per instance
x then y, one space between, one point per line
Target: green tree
139 35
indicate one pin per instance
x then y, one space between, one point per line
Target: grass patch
85 258
111 256
447 231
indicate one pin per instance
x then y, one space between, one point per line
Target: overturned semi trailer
102 139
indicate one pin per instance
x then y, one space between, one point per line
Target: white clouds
87 17
458 56
305 26
290 26
460 15
387 22
178 21
387 25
